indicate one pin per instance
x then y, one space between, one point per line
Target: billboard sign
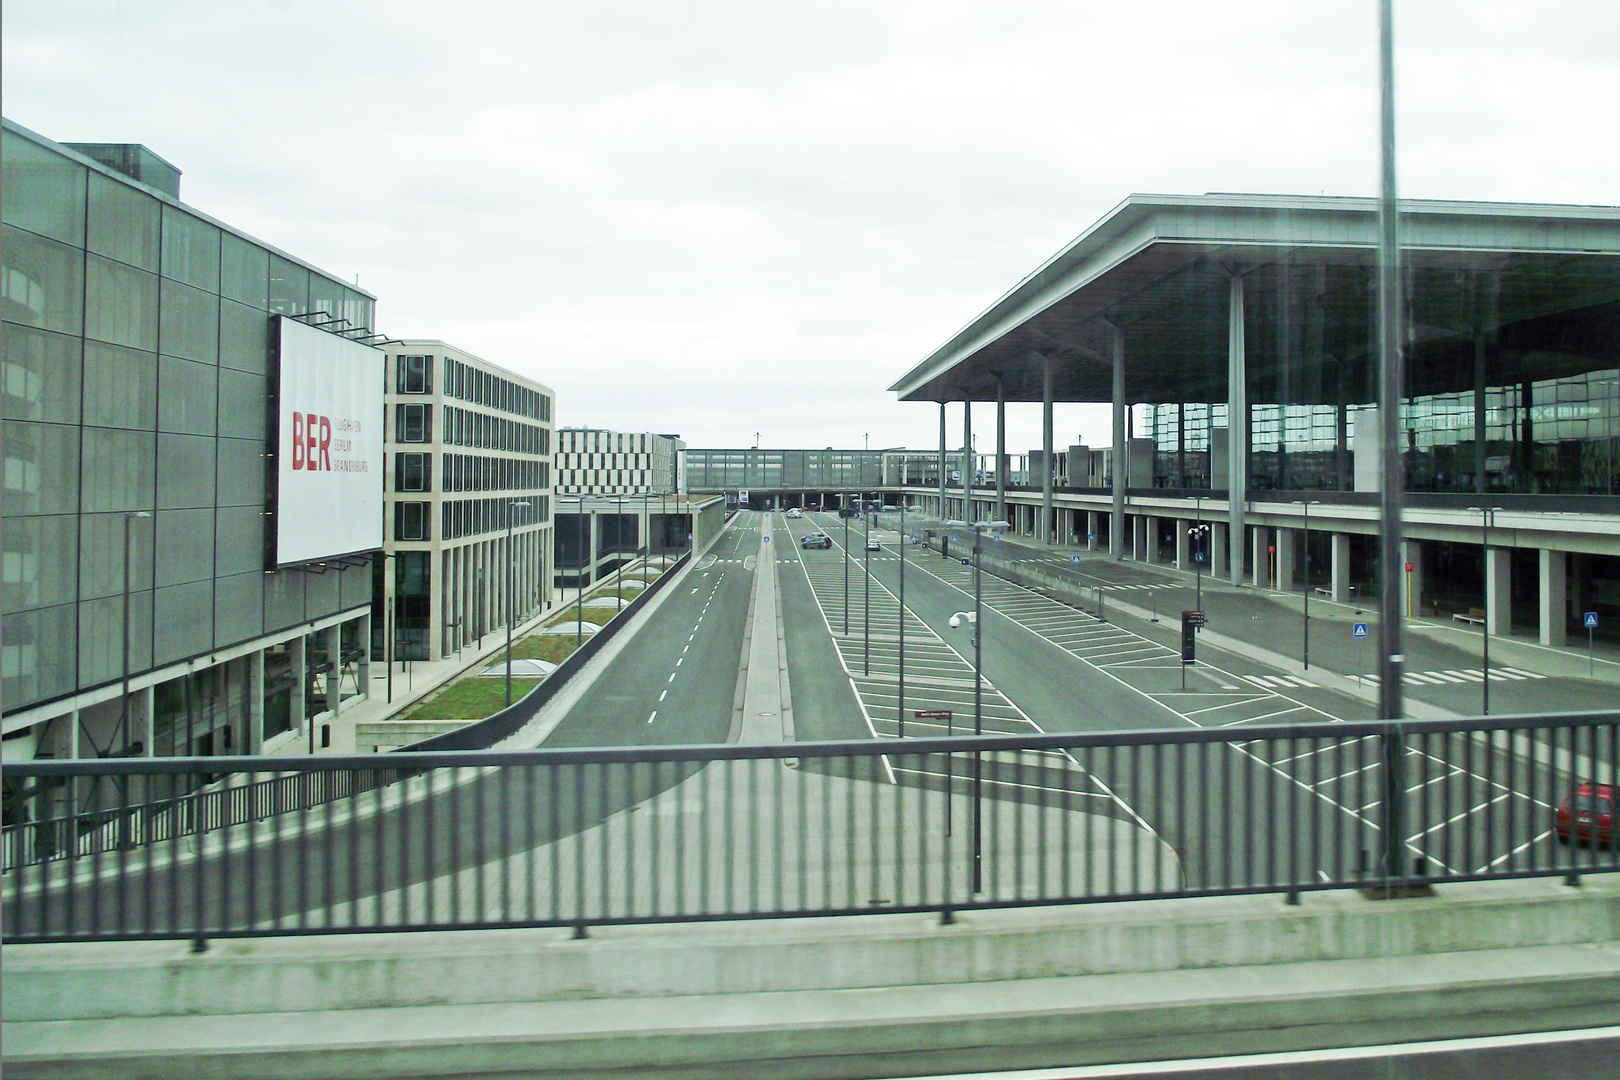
328 499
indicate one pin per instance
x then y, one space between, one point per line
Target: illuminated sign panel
329 445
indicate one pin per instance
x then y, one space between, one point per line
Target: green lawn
473 698
553 648
599 616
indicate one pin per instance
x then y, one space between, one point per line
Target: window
413 472
411 520
413 423
415 374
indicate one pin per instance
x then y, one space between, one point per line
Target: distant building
594 461
468 444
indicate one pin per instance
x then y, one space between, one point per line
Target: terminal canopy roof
1537 283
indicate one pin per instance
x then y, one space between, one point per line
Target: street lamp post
866 595
1486 515
1306 649
511 616
902 675
978 710
843 510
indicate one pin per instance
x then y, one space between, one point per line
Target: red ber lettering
326 444
298 440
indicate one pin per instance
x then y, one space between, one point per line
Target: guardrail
582 837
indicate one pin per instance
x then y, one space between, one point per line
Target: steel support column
1237 428
1116 523
1046 451
1001 449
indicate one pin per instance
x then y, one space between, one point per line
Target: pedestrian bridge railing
199 848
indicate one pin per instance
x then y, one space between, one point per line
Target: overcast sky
719 219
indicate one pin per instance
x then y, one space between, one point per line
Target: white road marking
662 694
653 717
672 676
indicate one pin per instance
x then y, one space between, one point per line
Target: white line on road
672 676
662 694
653 717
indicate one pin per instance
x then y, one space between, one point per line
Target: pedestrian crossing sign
1591 620
1358 629
1075 559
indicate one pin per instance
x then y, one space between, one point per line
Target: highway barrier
583 837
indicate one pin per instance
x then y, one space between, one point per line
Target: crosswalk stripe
1522 672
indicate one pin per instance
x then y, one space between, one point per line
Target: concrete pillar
1498 589
1237 417
1183 544
967 461
1046 450
944 469
1339 568
362 666
1001 449
1091 529
1261 539
334 676
1150 539
1217 545
295 649
1412 583
1284 540
1554 597
145 717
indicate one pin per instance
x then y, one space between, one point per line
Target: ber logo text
313 445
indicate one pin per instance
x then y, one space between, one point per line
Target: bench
1475 616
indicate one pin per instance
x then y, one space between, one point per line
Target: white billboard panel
329 445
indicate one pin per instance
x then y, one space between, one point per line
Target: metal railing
580 837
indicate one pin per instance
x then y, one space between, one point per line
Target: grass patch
473 698
552 648
599 616
623 594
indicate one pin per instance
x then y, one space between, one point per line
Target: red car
1587 815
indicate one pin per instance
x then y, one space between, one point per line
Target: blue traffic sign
1092 537
1358 629
1075 559
1198 556
1591 620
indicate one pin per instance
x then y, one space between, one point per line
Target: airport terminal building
1234 338
163 373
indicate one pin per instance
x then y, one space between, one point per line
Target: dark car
815 540
1587 815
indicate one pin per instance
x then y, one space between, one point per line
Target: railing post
1393 797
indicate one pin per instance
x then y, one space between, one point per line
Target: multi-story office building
469 473
593 461
145 611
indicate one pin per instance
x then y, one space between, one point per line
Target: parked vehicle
794 513
815 540
1587 815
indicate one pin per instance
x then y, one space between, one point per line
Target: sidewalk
415 680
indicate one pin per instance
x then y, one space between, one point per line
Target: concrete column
1150 539
1412 584
944 469
144 718
1217 545
1091 529
255 693
1237 417
1554 598
1498 589
1116 526
334 657
1001 449
1339 568
1183 544
1261 539
967 461
362 666
295 649
1284 539
1046 449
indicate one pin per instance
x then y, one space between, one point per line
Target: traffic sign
1195 618
1075 559
766 538
1410 568
1591 620
932 714
1198 556
1358 630
1092 537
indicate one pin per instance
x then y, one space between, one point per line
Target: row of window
466 517
463 427
583 440
413 374
572 460
470 472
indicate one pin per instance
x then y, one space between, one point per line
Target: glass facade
134 379
774 470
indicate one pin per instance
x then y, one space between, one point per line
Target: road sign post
1191 621
1591 621
950 733
1358 631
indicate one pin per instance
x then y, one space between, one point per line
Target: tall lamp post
579 577
902 676
843 511
1487 516
866 593
511 616
1306 641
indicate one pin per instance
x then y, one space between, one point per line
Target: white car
872 544
794 513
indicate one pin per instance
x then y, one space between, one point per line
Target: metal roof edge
162 196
